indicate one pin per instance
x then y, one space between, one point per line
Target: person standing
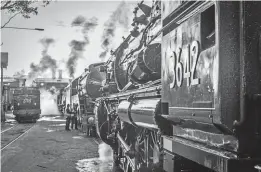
76 110
68 117
72 117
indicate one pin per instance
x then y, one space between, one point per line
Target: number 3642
185 68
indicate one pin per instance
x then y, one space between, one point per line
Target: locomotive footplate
215 159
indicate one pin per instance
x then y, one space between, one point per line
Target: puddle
45 118
102 164
50 130
77 137
57 125
93 165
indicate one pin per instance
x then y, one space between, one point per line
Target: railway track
8 128
12 134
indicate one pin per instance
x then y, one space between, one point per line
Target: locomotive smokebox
94 83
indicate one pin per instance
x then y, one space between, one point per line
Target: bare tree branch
9 20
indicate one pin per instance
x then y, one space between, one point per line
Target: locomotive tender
183 91
26 101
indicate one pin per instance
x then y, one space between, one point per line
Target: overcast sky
24 47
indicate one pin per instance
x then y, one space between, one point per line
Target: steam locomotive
182 92
83 91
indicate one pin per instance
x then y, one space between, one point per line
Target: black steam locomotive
83 91
183 91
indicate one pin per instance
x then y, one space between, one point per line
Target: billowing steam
77 47
105 152
119 16
102 164
103 54
46 62
48 103
105 156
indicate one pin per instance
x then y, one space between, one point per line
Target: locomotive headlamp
90 120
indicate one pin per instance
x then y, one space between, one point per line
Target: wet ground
47 147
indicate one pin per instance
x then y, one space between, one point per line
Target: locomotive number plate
27 100
182 65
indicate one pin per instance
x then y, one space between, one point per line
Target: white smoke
105 156
105 152
48 103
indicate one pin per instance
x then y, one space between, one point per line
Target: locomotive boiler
182 92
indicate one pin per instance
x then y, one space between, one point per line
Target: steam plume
77 47
119 16
46 62
48 103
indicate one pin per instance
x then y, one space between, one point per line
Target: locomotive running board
215 159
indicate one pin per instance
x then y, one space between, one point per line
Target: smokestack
54 73
60 74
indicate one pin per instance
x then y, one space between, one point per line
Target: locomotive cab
211 82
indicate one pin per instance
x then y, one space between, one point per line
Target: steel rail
26 131
9 128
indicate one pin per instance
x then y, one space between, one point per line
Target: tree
26 8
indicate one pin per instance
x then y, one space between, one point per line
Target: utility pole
4 63
2 110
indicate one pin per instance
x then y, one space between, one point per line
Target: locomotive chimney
60 74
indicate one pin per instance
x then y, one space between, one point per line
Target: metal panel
188 70
215 159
